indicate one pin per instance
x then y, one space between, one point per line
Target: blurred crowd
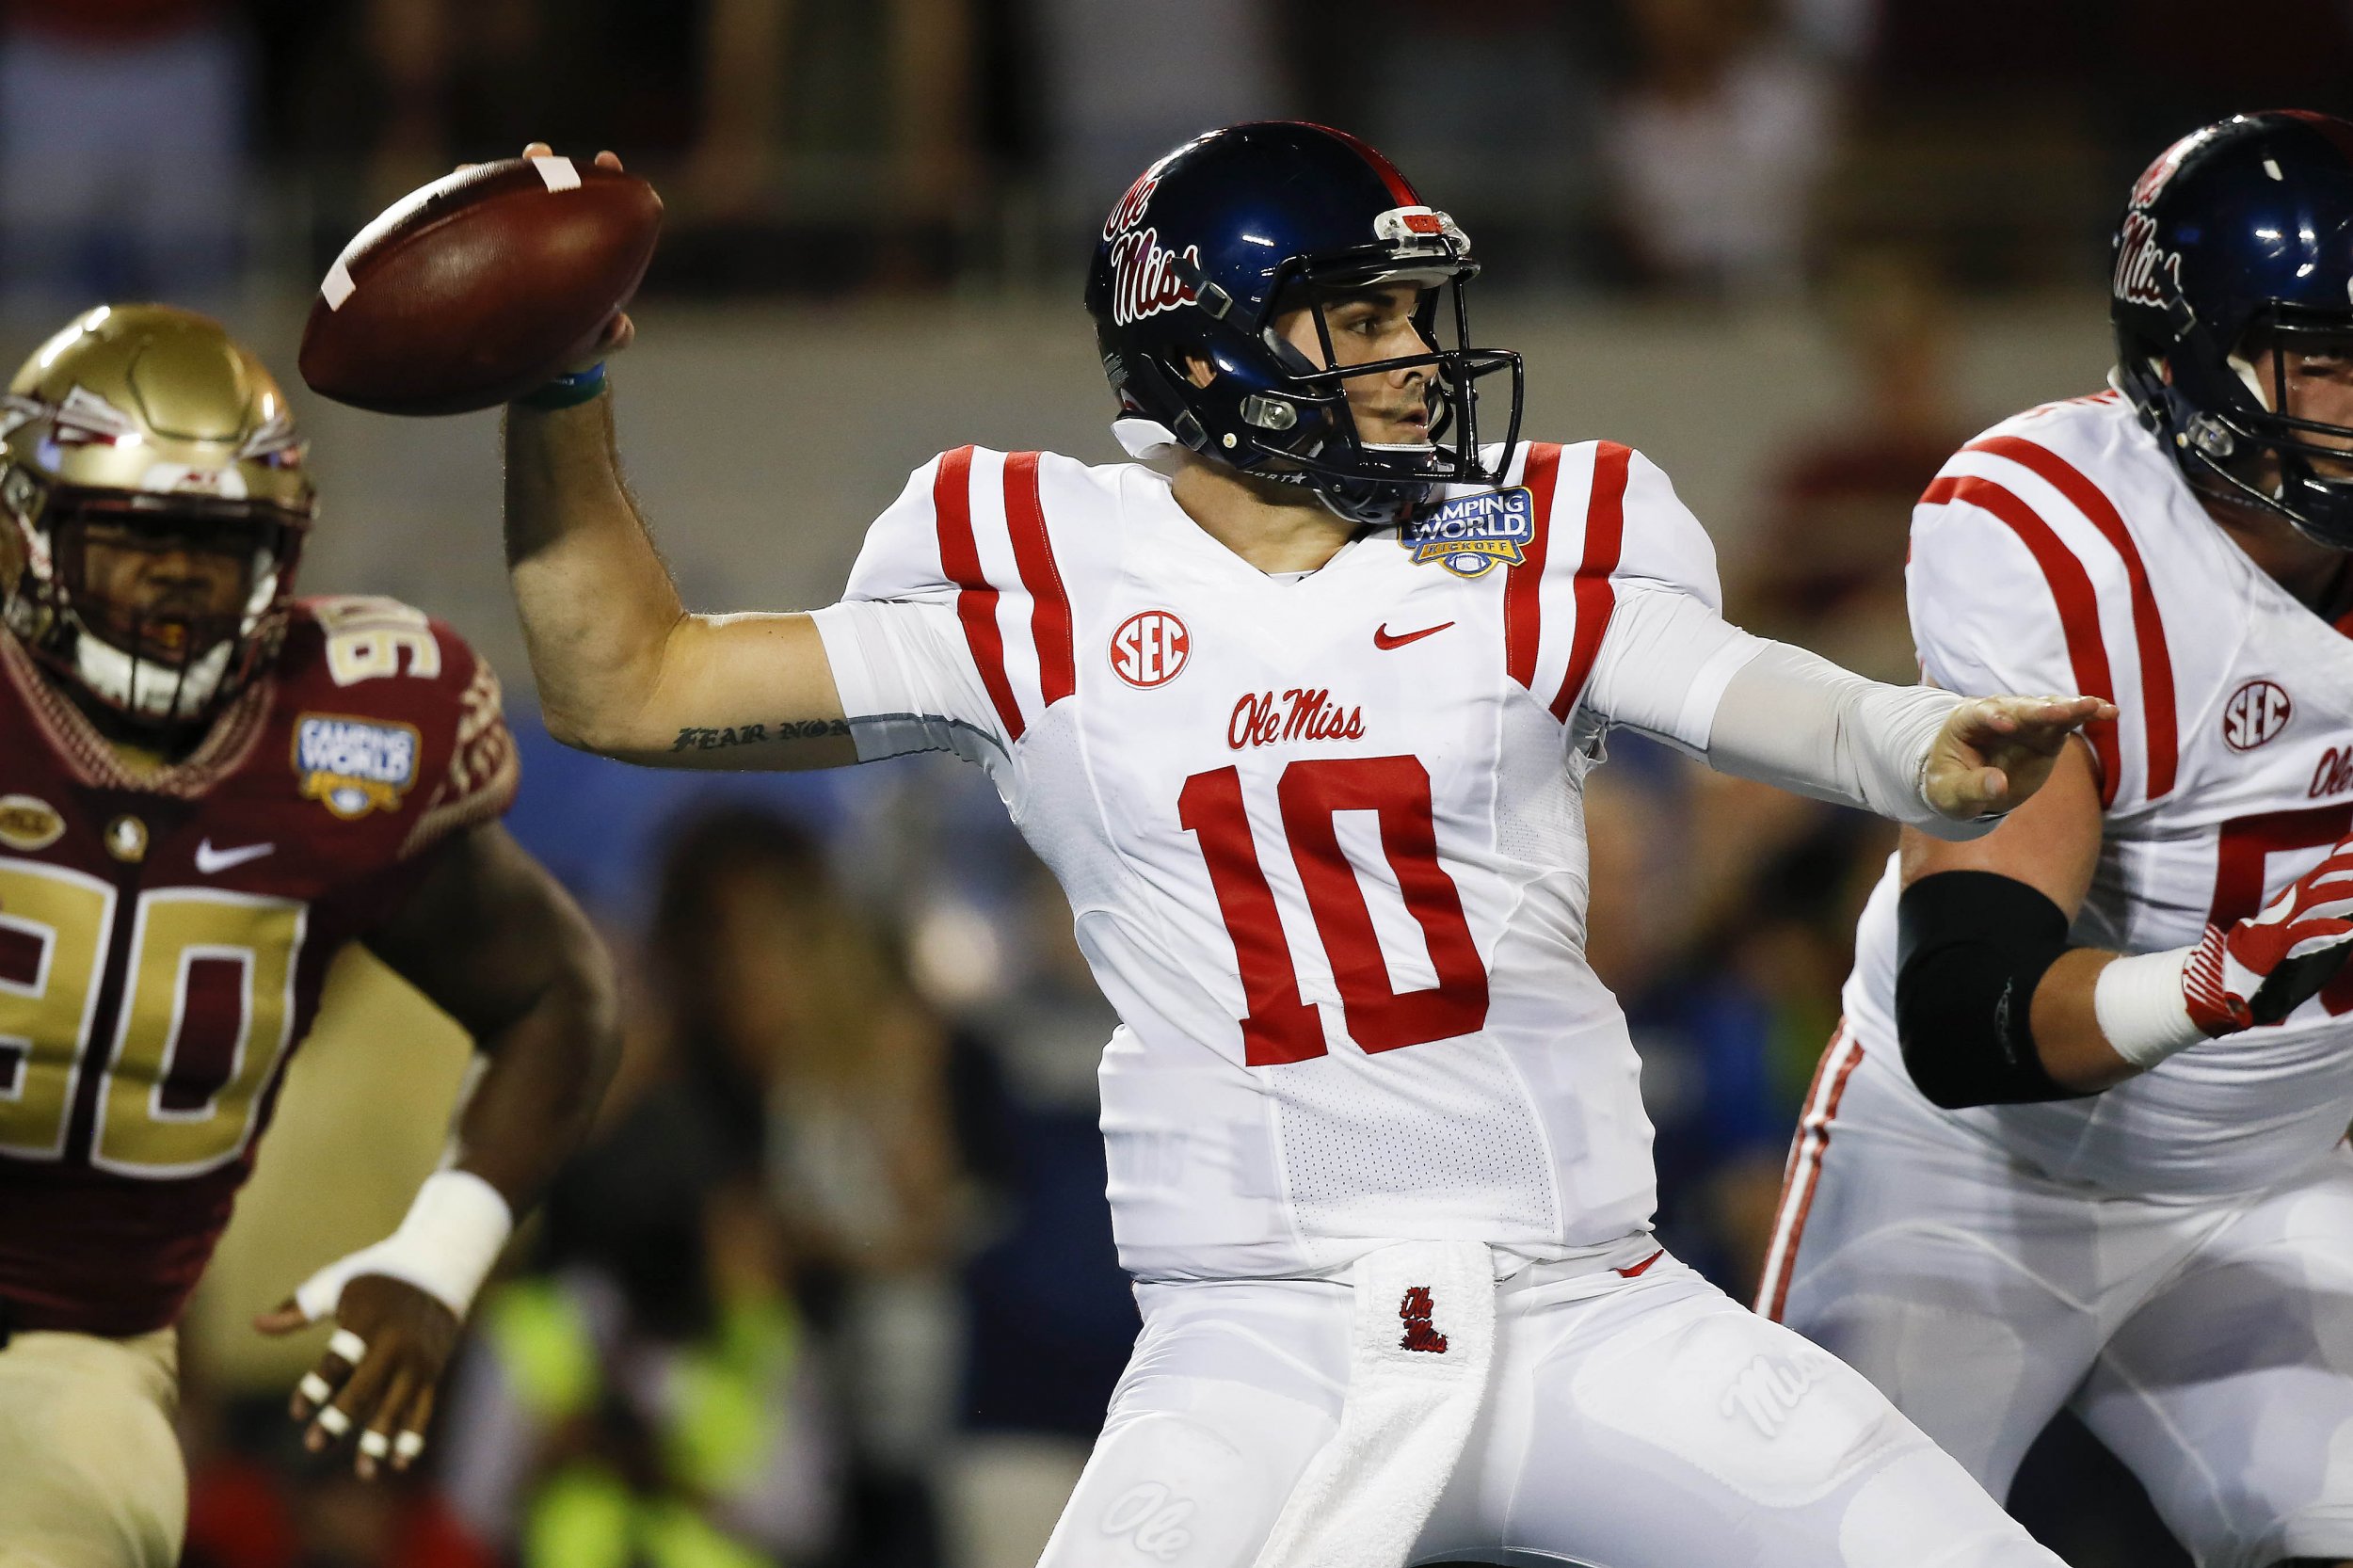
1700 147
834 1282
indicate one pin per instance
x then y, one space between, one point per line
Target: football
480 286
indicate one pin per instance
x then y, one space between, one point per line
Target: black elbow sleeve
1971 947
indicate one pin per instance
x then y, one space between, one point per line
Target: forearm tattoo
695 738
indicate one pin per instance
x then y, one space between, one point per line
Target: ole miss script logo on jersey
2257 710
1150 648
1470 534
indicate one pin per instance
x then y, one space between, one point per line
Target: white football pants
1645 1422
2207 1343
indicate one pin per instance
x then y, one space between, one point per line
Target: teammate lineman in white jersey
1297 710
2009 1192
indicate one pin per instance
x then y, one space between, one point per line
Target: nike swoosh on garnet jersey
1382 636
211 861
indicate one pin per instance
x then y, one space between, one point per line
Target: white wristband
453 1233
2140 1008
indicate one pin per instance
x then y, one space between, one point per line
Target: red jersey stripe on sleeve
1596 599
2070 591
1049 603
2159 716
1522 601
976 601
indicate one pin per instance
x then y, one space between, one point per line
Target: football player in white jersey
2080 1140
1297 708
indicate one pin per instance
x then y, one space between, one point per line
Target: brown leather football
480 286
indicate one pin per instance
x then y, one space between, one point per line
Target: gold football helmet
152 508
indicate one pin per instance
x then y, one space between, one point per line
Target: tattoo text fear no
694 738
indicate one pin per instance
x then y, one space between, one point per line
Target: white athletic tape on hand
557 173
376 1444
333 1422
337 286
455 1231
349 1345
407 1446
315 1388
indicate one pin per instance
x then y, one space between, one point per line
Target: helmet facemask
2259 438
157 609
1313 435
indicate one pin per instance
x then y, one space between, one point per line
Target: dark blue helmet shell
1218 237
2236 244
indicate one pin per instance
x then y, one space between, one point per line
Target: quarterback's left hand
1995 751
398 1339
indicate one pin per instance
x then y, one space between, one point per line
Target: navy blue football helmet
2235 251
1221 236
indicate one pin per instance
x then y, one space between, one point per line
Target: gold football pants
90 1470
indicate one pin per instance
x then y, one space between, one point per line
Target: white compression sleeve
1793 719
1672 667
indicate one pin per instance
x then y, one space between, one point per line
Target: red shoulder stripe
2156 663
1596 599
2070 589
1049 603
976 603
1523 601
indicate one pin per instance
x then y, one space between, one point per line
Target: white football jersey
2062 551
1322 834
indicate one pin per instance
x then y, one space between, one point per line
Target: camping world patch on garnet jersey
354 766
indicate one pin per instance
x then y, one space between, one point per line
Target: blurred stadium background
835 1284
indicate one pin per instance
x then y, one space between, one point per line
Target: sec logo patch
2257 710
1150 648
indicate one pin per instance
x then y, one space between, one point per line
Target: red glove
2261 969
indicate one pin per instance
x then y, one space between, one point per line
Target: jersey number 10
1281 1026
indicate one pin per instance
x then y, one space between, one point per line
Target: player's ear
1199 370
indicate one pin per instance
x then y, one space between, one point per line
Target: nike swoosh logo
1638 1270
1381 637
212 862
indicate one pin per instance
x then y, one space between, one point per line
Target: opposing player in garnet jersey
1297 708
2034 1173
207 790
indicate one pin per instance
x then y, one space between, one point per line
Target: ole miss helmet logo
2257 710
1150 648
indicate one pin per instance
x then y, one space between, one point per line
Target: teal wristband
566 392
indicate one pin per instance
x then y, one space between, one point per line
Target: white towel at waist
1419 1350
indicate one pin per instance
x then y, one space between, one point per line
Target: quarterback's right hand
621 331
2262 968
